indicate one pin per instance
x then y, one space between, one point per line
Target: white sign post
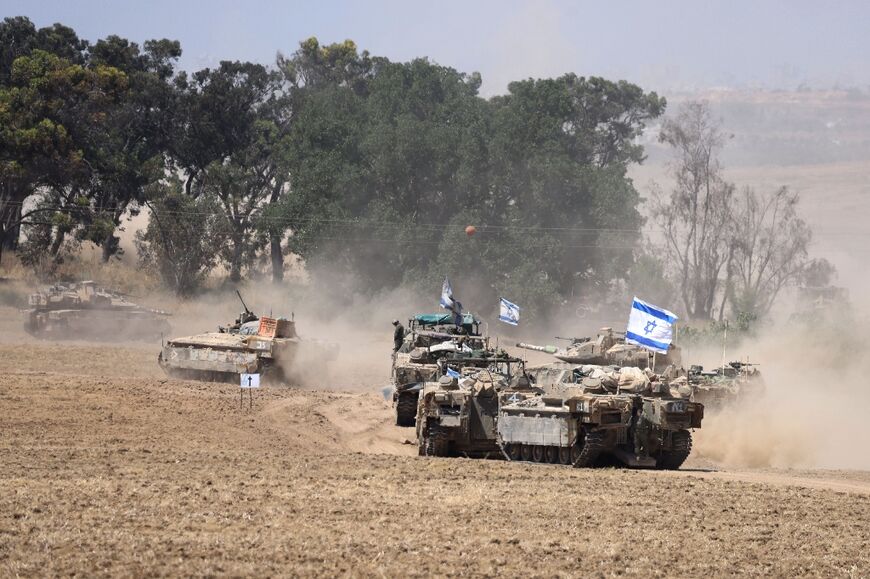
248 382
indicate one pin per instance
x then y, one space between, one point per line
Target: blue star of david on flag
650 326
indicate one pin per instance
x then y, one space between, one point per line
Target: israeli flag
650 326
453 373
508 312
448 302
446 295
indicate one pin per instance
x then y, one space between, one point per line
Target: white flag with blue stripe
508 312
453 373
650 326
448 302
446 295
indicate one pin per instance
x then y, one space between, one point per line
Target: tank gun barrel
546 349
244 305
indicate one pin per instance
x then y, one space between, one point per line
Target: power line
361 222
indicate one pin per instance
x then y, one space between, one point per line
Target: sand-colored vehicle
429 338
728 385
85 310
583 416
608 348
252 345
456 415
598 414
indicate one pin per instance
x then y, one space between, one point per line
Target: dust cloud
813 413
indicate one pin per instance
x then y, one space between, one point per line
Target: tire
437 443
564 455
586 452
681 447
538 454
514 452
406 410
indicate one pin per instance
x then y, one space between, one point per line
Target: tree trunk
277 258
110 247
55 245
236 263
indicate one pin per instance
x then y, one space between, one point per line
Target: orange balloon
470 230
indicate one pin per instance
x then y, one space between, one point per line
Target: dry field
108 468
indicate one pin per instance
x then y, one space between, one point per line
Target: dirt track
109 468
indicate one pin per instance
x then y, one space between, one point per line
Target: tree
737 250
233 118
183 237
85 123
696 220
770 249
53 113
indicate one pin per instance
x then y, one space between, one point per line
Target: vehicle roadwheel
552 454
585 453
514 451
681 447
526 452
406 410
436 441
564 455
538 453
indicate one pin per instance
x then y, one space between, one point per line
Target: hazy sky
662 44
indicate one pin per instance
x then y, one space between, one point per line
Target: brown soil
110 469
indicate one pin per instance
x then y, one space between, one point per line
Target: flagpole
724 344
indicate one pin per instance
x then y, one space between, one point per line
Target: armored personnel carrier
252 345
579 415
725 386
608 348
429 338
87 311
457 413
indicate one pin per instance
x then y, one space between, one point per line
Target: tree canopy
371 167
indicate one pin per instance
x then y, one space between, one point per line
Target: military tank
85 310
592 414
580 416
728 385
251 345
608 347
457 414
429 338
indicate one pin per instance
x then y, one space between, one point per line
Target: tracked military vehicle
87 311
581 415
608 348
252 345
429 338
591 414
728 385
457 414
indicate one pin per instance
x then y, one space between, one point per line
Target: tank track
580 457
436 441
406 410
593 446
681 441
